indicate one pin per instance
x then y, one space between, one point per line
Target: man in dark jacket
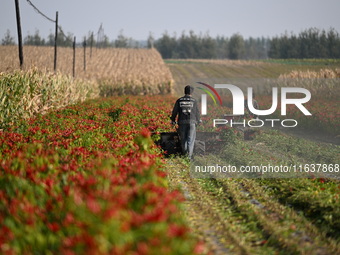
188 117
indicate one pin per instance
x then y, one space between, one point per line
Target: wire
38 11
61 31
42 14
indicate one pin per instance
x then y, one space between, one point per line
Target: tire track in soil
304 240
204 214
203 217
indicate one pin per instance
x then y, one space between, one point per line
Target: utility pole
91 45
55 42
74 57
84 44
21 55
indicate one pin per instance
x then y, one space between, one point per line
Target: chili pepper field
88 179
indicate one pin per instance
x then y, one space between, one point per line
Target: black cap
188 90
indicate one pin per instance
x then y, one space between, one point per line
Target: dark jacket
187 110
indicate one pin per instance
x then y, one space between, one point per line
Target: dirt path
201 213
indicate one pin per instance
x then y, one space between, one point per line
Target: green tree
105 42
50 39
62 40
121 41
207 47
34 39
250 48
188 46
314 43
236 47
288 46
293 47
274 49
167 46
222 47
262 47
8 39
333 43
323 51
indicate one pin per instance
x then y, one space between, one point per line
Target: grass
308 62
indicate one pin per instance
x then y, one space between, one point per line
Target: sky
138 18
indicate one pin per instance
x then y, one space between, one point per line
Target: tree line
67 40
37 40
310 43
204 46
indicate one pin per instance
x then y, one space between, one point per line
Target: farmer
188 117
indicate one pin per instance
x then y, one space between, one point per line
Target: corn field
26 93
117 71
322 82
323 73
108 72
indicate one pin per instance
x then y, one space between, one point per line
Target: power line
38 11
45 16
41 13
61 31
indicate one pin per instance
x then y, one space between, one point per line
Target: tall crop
117 71
23 94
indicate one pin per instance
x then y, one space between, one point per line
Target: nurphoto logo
239 104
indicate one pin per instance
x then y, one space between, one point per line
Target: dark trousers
187 134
